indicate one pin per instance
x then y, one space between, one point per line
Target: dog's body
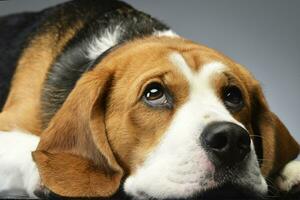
68 79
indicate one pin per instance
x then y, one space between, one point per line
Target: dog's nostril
218 141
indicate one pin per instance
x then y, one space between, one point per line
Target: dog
99 99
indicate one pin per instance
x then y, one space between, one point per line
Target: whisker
257 136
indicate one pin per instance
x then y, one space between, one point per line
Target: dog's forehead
175 54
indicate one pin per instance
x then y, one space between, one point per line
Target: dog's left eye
233 98
155 95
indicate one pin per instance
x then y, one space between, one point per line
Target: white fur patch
167 33
202 92
111 38
18 172
179 167
289 176
100 45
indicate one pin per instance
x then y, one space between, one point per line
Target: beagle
98 99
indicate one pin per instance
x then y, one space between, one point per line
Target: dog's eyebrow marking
211 69
200 78
180 63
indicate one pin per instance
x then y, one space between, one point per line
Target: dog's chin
226 191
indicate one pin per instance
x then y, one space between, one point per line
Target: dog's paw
18 171
289 178
32 182
42 192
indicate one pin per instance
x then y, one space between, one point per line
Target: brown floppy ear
276 147
74 157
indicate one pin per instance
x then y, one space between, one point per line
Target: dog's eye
155 95
233 98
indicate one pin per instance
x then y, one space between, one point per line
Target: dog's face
170 118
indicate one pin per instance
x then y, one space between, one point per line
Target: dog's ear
274 144
74 157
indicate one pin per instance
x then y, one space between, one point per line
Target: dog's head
165 118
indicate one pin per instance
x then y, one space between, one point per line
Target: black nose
226 143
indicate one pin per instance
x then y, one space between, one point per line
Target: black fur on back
15 31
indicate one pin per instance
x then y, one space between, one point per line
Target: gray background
263 35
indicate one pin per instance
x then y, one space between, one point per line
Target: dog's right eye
155 95
233 98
